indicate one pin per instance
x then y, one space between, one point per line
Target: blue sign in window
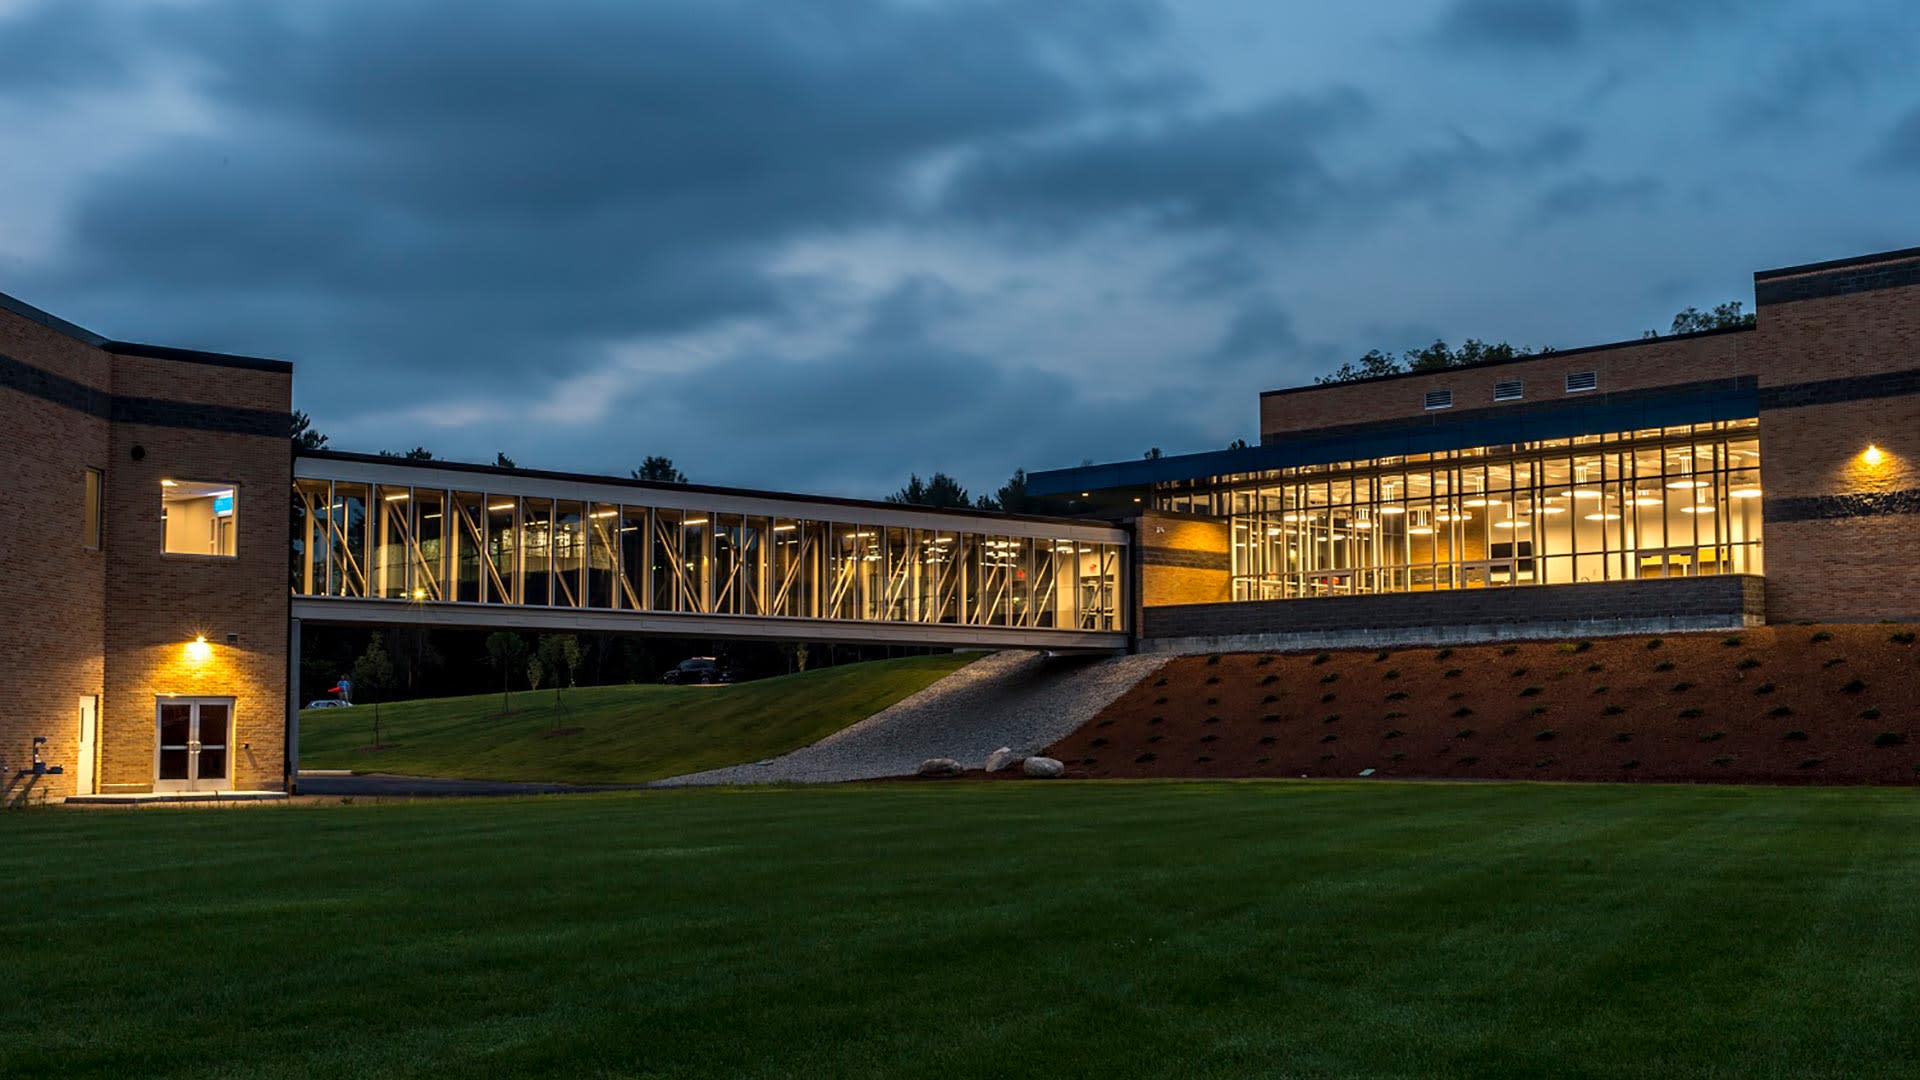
223 504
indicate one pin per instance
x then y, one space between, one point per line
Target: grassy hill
613 734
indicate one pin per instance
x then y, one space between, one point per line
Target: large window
429 545
198 518
1670 502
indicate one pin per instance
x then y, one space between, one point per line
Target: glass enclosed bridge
387 540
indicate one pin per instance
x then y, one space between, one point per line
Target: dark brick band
156 412
1834 391
1852 279
1189 560
1827 507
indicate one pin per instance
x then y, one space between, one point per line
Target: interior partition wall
414 544
1667 502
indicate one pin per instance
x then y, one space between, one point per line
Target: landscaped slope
1790 704
613 734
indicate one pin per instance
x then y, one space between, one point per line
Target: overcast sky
818 244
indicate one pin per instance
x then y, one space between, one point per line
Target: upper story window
93 489
1439 399
1582 380
1511 390
198 518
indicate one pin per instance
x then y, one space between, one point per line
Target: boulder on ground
1001 758
940 766
1043 768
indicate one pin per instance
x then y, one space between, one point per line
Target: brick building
1717 479
143 536
154 581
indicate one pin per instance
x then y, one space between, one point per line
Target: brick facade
113 623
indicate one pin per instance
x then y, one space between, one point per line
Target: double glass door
195 745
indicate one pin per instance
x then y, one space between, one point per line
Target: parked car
329 703
697 669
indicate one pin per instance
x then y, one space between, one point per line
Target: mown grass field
1142 929
625 734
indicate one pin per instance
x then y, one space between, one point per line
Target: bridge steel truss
386 540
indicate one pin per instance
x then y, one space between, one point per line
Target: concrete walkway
390 785
1019 699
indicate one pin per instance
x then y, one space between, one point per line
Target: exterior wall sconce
198 651
1872 455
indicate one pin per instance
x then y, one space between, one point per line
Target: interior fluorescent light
500 506
397 496
1745 493
1685 483
1420 530
703 521
1393 509
1701 509
785 528
1603 517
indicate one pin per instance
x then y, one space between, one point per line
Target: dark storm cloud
1585 196
1264 168
1512 24
1259 166
1899 148
1561 26
475 188
893 400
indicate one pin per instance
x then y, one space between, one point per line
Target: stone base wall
1462 617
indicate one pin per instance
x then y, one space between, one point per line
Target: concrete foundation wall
1459 617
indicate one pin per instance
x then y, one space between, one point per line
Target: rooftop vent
1511 390
1439 399
1578 381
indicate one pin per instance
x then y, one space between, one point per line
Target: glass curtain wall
416 544
1669 502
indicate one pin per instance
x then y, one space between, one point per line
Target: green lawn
960 930
628 734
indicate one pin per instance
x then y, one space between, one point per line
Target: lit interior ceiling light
1364 523
396 496
1586 493
1603 517
604 513
703 521
790 528
1745 493
1393 509
1420 530
1703 508
1519 524
1553 510
1682 484
1648 500
497 507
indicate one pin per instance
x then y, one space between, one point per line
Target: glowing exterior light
1872 455
419 594
176 483
198 651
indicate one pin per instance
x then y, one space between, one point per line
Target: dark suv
697 669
